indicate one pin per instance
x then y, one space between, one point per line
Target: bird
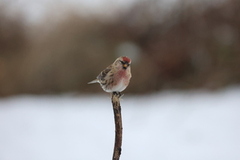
116 77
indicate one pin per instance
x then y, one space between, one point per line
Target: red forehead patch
126 59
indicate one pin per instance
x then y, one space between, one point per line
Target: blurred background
182 101
58 46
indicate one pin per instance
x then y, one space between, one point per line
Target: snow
170 125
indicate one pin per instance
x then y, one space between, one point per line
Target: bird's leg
118 94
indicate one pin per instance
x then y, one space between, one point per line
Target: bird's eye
122 62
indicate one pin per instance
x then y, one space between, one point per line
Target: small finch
116 77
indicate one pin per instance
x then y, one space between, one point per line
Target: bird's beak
125 65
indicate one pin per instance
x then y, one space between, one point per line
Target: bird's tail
94 81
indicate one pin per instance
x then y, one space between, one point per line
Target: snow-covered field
170 125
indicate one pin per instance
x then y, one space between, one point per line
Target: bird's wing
104 73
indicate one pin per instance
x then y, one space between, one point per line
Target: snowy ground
171 125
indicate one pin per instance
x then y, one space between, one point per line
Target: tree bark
118 125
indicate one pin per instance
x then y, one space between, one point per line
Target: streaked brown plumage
116 77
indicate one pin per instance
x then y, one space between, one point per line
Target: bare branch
118 125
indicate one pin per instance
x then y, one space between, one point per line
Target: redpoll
115 78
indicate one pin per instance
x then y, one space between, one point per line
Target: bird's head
123 61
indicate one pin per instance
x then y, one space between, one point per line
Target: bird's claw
118 94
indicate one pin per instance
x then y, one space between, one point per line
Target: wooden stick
118 125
